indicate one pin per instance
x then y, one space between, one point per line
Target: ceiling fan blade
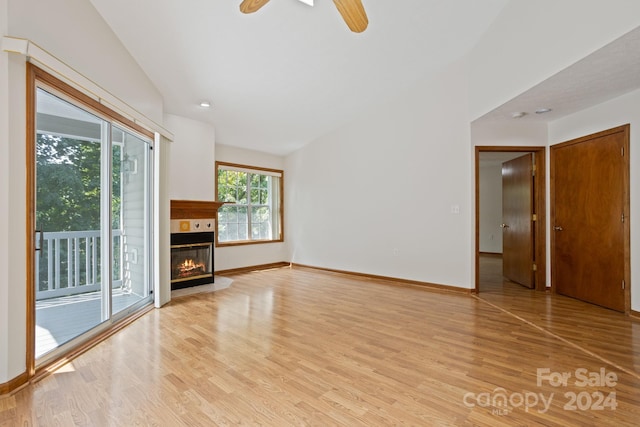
250 6
353 13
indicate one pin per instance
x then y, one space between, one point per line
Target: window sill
246 242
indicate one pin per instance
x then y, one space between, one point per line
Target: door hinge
534 217
623 217
623 284
533 170
622 151
535 267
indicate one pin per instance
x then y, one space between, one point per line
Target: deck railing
69 263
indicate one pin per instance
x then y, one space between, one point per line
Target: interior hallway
306 347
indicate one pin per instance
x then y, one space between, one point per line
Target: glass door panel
69 262
131 224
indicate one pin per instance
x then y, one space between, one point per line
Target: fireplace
191 253
192 228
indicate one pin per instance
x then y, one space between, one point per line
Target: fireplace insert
191 259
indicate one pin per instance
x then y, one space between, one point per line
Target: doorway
491 254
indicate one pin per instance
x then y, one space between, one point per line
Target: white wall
13 213
162 224
490 216
191 159
518 133
532 40
227 258
376 196
4 199
76 34
620 111
72 31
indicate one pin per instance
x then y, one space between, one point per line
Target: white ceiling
607 73
289 73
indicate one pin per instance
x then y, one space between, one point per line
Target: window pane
242 196
232 178
70 143
241 180
260 214
243 231
265 230
242 215
223 235
232 231
255 196
232 214
227 193
255 231
132 239
260 231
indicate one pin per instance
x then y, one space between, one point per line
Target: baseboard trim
391 280
253 268
14 384
635 314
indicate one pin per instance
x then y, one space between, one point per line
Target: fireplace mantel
194 209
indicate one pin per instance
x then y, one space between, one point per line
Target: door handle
41 241
504 226
557 228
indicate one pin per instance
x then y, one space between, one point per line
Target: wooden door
589 196
517 220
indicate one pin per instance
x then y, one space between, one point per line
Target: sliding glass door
92 221
130 217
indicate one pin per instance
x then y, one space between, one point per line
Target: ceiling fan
352 11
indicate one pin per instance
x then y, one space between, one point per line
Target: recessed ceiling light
518 114
543 110
205 104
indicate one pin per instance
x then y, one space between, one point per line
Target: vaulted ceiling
289 73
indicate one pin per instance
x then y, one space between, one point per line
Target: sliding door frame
36 77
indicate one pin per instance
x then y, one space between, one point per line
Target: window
253 209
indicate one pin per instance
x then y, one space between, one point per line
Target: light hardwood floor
306 347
